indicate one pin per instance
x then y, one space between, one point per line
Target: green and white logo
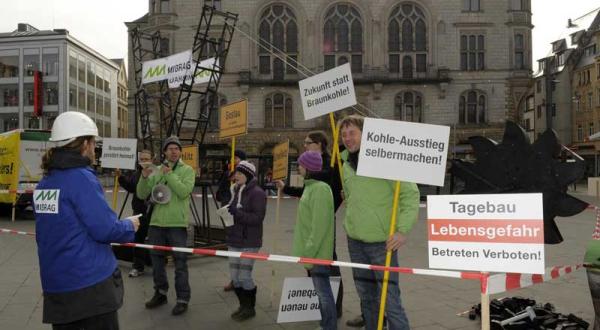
46 200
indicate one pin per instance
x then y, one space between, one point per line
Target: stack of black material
546 317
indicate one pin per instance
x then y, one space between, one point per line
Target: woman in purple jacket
248 205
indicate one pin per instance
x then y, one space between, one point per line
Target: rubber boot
248 302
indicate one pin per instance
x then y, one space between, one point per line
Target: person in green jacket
369 204
592 262
169 222
313 233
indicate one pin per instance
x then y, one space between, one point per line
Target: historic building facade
462 63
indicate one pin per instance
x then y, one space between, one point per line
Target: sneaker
179 308
157 300
357 322
135 273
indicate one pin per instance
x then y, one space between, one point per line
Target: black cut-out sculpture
517 166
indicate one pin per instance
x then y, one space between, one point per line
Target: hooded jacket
75 226
313 232
129 183
369 204
181 181
247 230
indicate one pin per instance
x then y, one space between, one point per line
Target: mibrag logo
46 200
156 71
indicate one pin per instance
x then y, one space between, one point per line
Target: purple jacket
247 230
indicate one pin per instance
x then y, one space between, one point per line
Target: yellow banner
9 165
280 160
189 155
234 119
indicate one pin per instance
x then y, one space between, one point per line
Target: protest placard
280 160
299 301
119 153
327 92
491 232
404 151
189 155
234 119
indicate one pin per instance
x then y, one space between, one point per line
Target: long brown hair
77 144
319 137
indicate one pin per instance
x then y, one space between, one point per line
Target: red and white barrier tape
16 232
504 282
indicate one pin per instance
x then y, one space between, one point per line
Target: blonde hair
354 120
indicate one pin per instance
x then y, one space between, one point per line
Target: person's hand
166 169
232 209
136 223
146 172
395 241
279 184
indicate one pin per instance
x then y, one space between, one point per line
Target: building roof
26 30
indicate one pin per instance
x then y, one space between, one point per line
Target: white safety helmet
70 125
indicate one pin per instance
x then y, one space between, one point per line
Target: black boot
238 293
247 302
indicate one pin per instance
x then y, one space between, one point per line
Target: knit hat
311 160
171 140
247 169
240 154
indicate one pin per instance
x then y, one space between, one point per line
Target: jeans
139 255
176 237
594 282
368 285
240 270
320 279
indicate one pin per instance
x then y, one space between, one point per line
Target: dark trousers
139 255
108 321
176 237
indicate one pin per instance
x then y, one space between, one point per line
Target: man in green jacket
369 204
592 262
169 222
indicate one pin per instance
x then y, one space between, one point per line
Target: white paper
226 216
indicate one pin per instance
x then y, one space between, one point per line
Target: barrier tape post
388 258
485 302
232 163
335 154
273 271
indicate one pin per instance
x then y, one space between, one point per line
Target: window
538 86
520 5
591 129
278 111
31 61
72 96
598 71
73 66
278 32
408 106
598 95
472 107
214 116
528 124
9 66
50 93
553 109
81 99
407 40
579 133
472 52
519 52
81 70
165 6
215 3
589 50
342 37
539 111
471 5
50 61
91 73
590 101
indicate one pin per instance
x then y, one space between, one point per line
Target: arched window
408 106
278 111
343 37
278 32
472 107
407 37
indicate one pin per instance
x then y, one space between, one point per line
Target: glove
232 209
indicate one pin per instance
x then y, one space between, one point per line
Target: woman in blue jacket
82 285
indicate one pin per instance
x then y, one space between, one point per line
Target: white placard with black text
327 92
119 153
404 151
491 233
299 301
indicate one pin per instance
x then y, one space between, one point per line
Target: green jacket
369 204
181 182
592 253
313 233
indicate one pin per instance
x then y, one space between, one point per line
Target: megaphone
161 194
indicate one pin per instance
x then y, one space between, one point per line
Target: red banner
38 94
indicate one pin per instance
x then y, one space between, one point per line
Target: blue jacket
74 229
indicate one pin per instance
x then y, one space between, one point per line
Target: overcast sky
99 24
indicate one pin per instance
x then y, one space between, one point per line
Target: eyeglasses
309 142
